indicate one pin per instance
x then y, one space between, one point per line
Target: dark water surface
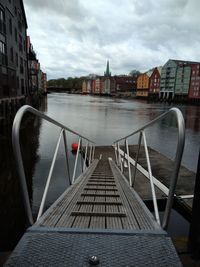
99 118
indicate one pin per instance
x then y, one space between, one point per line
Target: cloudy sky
76 37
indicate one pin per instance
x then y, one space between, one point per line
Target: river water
101 119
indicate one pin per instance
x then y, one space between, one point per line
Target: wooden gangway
99 220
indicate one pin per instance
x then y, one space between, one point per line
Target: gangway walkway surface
100 220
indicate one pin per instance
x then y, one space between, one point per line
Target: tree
134 73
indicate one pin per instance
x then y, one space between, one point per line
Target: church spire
107 73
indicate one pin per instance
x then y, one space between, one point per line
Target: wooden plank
99 195
83 222
65 220
103 184
100 189
113 223
98 214
53 215
134 204
99 202
101 181
98 222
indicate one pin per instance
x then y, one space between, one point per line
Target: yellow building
143 84
84 87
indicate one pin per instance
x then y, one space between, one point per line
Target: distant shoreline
130 96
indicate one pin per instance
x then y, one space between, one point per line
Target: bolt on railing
177 161
19 161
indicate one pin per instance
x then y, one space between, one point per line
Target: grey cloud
71 9
76 37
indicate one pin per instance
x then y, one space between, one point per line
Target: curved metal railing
89 151
122 156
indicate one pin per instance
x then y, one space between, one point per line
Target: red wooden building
154 83
194 89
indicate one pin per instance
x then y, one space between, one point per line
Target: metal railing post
93 152
151 179
115 148
129 166
86 149
81 150
120 158
76 160
118 154
124 159
136 160
90 145
20 167
174 177
66 154
49 176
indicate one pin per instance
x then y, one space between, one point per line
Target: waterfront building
13 49
194 89
124 83
182 82
98 86
175 79
93 81
44 82
143 84
106 85
168 78
36 77
89 86
154 83
84 87
33 68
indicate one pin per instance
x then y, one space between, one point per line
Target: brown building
125 83
13 50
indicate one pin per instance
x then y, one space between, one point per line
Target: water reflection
12 223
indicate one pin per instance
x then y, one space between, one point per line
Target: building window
2 22
20 43
17 82
22 86
10 26
21 66
19 21
11 54
16 35
24 45
25 66
3 53
2 48
15 10
16 59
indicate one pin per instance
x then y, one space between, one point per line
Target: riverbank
132 96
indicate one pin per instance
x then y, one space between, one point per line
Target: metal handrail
177 160
19 161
